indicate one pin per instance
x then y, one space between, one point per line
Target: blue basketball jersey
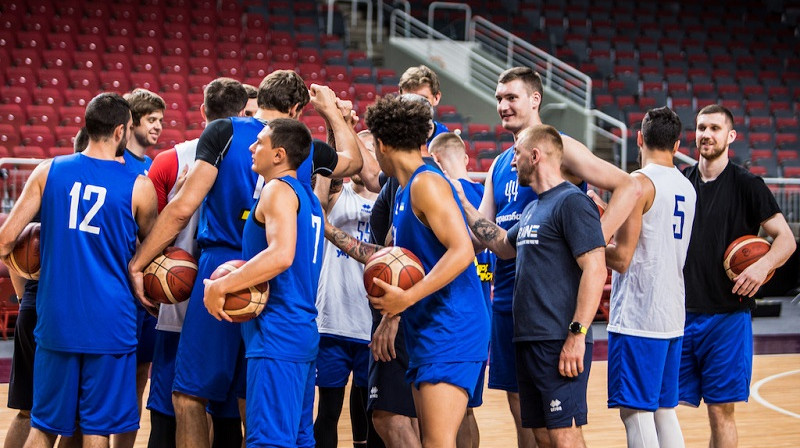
227 204
509 199
484 261
88 236
452 324
135 164
287 329
306 169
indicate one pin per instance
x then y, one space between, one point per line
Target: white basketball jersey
170 317
341 297
648 300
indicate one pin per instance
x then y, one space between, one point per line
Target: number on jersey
99 194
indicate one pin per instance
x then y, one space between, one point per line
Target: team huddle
514 272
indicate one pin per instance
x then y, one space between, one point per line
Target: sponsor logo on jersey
373 393
555 405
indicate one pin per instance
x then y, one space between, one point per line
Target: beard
121 147
714 153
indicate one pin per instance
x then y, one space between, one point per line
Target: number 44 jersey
88 236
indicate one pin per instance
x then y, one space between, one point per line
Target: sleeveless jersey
648 299
227 204
135 164
341 297
170 317
509 200
287 327
452 324
484 261
88 236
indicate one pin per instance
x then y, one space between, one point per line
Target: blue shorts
502 368
280 403
210 360
99 391
717 359
146 334
162 375
339 356
477 397
546 398
465 375
645 386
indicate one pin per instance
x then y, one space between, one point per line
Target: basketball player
519 96
147 111
210 355
344 320
647 296
450 153
85 345
223 98
423 81
252 100
283 245
445 319
553 307
390 399
717 360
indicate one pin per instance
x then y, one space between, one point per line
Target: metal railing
354 19
452 6
513 51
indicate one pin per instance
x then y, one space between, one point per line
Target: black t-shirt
218 135
728 207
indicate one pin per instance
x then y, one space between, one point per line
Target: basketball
170 277
743 252
25 257
394 265
244 304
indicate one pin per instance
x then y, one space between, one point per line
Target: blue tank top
509 200
88 236
135 164
227 204
306 169
452 324
287 328
484 261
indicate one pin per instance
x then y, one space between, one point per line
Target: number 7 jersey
88 236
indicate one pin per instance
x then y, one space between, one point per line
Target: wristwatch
576 328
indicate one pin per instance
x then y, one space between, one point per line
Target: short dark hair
81 140
282 89
293 136
104 113
528 76
400 122
144 102
223 98
717 109
661 128
416 77
252 91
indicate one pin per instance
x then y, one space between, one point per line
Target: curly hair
400 122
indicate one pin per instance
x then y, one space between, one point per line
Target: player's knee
721 412
184 403
24 414
387 422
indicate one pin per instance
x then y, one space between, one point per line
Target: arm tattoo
485 230
352 246
336 186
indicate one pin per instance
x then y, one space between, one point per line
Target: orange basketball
170 277
245 304
25 257
743 252
394 265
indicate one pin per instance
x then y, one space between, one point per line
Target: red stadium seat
203 66
255 69
115 81
9 136
170 137
56 151
84 79
230 67
48 96
786 139
43 115
77 97
316 124
791 171
26 57
40 136
12 114
61 41
175 64
146 63
65 135
117 61
336 73
364 92
32 152
173 83
73 116
15 95
87 60
21 77
311 72
176 47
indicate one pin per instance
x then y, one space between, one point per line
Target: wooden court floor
770 419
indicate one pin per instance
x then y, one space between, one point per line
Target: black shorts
546 398
20 386
388 389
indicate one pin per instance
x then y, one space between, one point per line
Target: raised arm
349 157
783 245
488 208
277 209
579 161
620 253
